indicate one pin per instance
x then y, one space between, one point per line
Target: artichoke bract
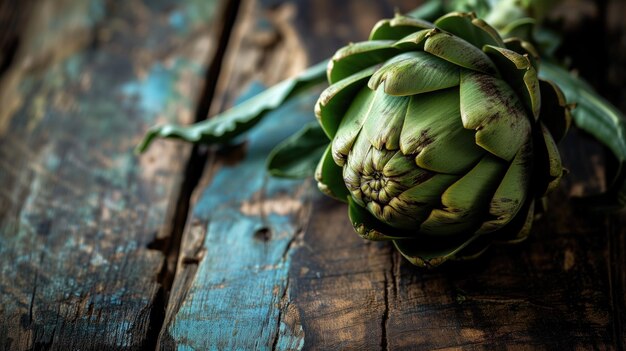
442 137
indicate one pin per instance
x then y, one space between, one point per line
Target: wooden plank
273 264
77 207
242 301
263 238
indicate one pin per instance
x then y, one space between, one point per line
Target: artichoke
442 136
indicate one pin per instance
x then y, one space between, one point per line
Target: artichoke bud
441 134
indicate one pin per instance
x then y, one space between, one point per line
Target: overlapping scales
490 106
435 134
442 136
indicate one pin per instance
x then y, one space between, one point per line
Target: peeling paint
241 199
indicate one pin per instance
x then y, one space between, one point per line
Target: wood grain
218 297
77 207
263 263
561 289
230 301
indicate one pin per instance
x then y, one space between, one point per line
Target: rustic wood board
77 207
263 263
242 301
270 264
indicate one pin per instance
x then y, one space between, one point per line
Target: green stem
242 117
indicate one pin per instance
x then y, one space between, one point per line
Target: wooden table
196 248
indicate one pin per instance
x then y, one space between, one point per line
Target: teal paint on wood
77 207
241 286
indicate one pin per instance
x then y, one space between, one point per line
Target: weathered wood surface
272 264
77 208
263 263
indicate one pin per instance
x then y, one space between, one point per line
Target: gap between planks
170 242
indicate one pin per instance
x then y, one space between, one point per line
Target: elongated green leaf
599 118
298 155
240 118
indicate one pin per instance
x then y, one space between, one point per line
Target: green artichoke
442 137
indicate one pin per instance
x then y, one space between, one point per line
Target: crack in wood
193 172
32 298
384 343
284 304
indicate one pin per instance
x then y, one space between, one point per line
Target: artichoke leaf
351 124
490 106
368 227
518 229
548 160
430 252
384 119
330 179
519 72
420 199
458 51
399 165
434 133
240 118
356 57
413 42
512 191
473 30
297 156
398 27
465 201
337 98
415 73
524 48
355 167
